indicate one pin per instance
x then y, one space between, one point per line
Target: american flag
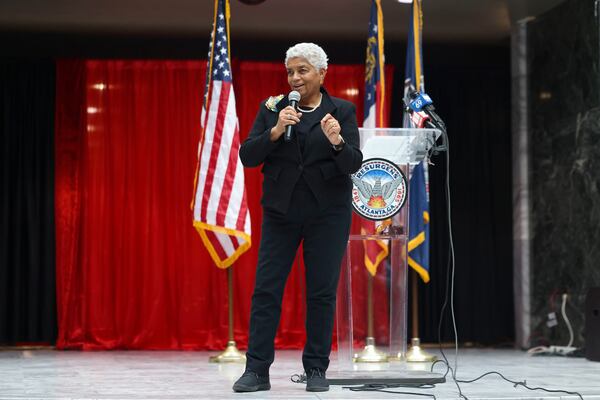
375 250
220 207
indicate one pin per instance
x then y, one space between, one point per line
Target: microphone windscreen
294 96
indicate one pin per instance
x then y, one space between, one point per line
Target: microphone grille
294 96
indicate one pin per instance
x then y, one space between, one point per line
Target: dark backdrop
475 103
27 290
470 86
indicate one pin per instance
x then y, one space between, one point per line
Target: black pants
325 236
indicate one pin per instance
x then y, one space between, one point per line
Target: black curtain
474 100
27 262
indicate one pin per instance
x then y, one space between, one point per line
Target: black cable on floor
515 383
298 378
383 388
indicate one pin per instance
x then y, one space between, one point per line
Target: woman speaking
306 199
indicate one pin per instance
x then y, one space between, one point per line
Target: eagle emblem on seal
379 189
377 195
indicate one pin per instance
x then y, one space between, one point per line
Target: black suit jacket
325 171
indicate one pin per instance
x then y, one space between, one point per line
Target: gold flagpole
370 354
415 353
231 354
415 304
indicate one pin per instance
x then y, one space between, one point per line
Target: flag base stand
370 354
398 357
230 355
417 354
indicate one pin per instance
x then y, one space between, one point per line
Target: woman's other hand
331 128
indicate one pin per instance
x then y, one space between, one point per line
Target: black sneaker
316 380
250 381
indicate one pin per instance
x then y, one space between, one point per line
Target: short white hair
313 53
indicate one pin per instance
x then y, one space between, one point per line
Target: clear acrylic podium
371 303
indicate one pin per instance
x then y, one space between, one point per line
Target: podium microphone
420 108
419 118
421 102
294 98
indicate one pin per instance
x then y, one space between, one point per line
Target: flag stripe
380 59
417 22
229 200
205 156
223 176
236 197
233 193
214 176
369 122
379 104
214 239
226 243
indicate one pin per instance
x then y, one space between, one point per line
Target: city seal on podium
379 189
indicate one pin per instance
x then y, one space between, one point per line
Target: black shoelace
318 372
247 372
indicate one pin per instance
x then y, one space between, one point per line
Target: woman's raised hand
287 116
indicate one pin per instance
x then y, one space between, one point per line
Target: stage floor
46 374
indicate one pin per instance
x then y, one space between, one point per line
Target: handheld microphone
421 102
294 98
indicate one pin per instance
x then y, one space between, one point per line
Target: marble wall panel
564 170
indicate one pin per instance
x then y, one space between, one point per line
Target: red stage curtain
132 272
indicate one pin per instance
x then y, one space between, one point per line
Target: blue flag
418 243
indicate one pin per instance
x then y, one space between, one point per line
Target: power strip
552 350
